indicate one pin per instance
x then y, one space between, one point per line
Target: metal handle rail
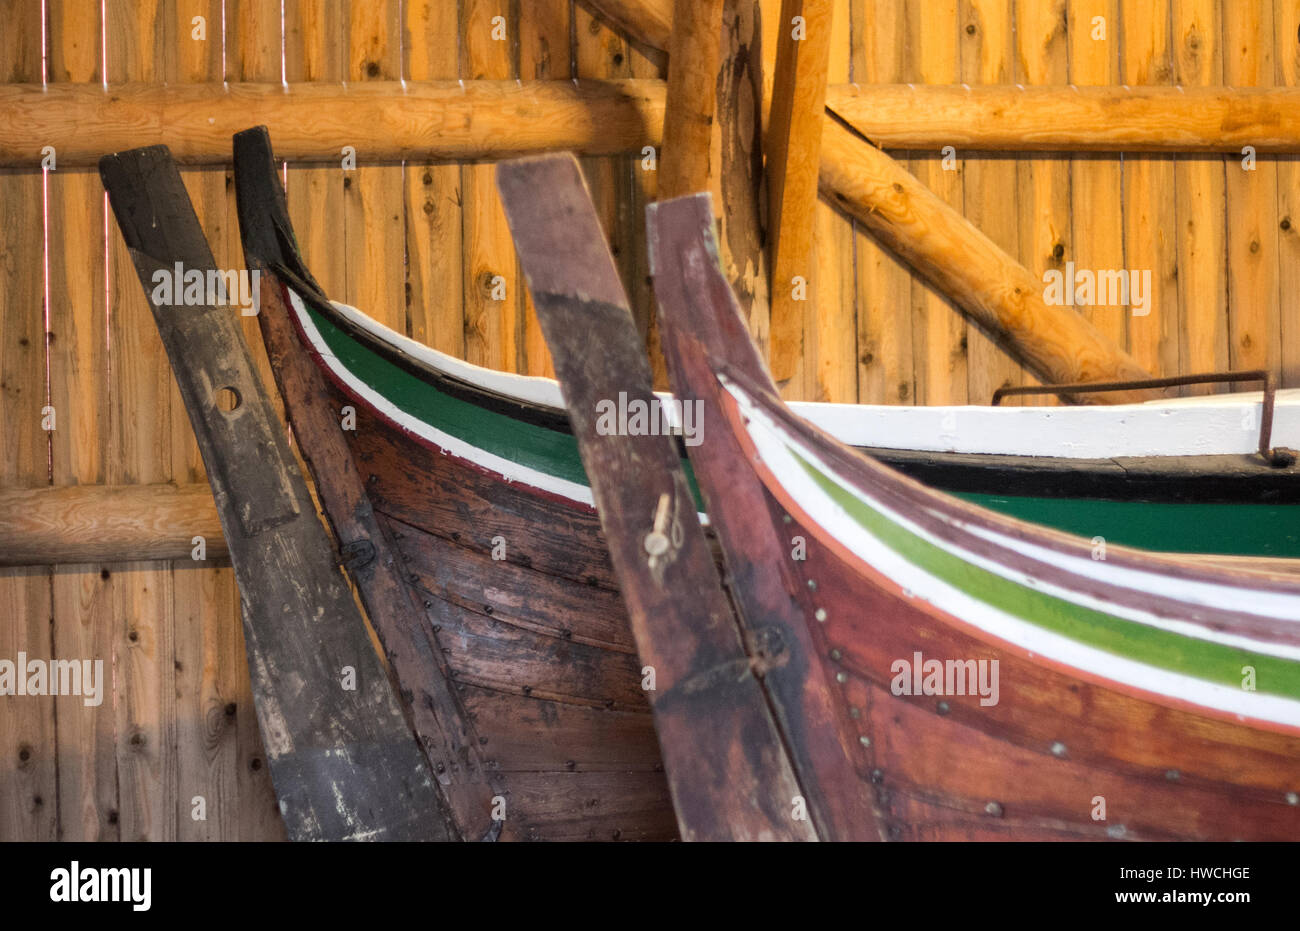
1279 458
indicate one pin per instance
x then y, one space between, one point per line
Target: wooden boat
530 656
946 672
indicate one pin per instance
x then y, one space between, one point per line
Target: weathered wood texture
344 763
728 771
94 378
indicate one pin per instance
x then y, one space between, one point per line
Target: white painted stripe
774 446
1212 425
1280 606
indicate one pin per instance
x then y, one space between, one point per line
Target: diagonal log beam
1055 343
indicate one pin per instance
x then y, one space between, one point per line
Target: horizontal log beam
455 121
1076 119
382 120
107 523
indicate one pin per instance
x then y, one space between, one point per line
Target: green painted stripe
1211 662
547 451
1237 529
1230 529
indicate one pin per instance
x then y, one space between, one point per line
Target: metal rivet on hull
994 809
1292 798
1058 748
820 614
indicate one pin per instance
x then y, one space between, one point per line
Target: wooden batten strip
792 144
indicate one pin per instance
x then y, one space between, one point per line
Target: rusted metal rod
1275 457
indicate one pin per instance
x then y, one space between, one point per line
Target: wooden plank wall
424 248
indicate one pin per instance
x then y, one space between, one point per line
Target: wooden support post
998 293
694 51
344 763
793 146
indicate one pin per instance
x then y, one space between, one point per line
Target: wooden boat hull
1141 696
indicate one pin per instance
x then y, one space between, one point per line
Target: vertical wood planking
493 320
28 761
81 598
987 46
1043 184
545 43
884 344
143 424
315 50
374 222
1200 209
1254 330
546 54
831 346
939 330
1096 181
1286 30
434 306
1150 226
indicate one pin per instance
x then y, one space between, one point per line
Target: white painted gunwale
1221 424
